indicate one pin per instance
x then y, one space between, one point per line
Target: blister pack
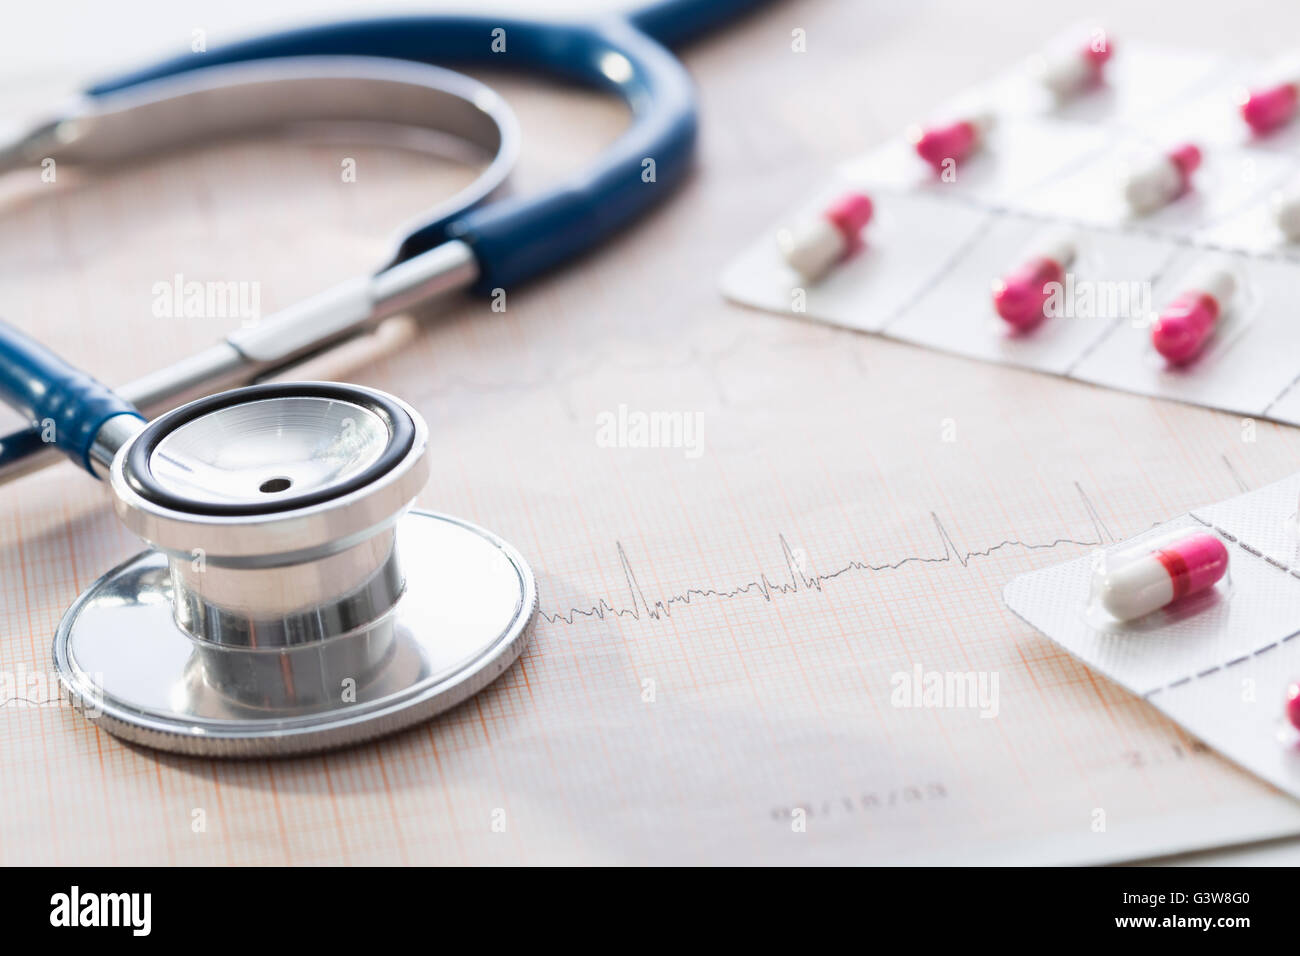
1166 228
1200 616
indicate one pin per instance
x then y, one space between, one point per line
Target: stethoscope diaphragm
292 601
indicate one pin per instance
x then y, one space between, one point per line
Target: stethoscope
291 598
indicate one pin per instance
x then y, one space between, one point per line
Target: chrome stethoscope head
291 600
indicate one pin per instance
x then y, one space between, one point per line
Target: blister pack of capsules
1108 211
1201 617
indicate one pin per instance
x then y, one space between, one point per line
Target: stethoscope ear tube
67 406
516 239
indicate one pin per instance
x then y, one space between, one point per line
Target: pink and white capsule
1020 297
816 245
1186 323
1159 184
1153 579
1067 74
1264 110
953 142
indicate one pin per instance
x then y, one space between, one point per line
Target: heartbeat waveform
799 579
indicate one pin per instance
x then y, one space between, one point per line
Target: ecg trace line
801 580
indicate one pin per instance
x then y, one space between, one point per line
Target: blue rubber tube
513 240
66 405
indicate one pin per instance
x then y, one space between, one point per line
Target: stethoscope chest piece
291 601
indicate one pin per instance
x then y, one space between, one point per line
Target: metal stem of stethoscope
307 327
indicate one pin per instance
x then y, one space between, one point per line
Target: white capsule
1021 297
1147 578
1287 215
1058 245
1071 72
1137 588
1163 181
1066 76
984 122
1186 324
814 247
1218 283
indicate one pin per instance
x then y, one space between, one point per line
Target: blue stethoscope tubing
512 239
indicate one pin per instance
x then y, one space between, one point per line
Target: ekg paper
727 623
